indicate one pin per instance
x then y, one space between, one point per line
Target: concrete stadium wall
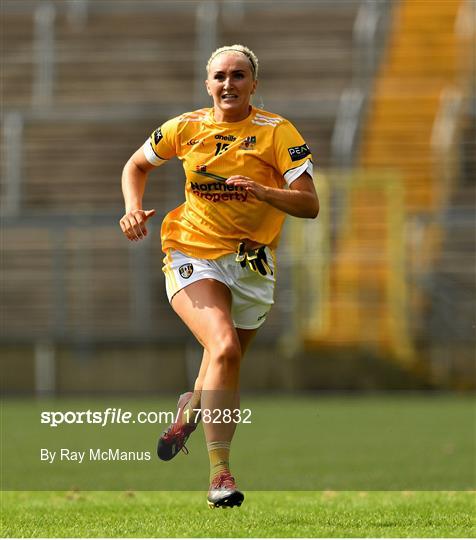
172 369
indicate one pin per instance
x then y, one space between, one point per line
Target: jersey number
221 147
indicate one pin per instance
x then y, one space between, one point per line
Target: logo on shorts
261 317
186 270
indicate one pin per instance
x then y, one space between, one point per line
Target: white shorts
252 294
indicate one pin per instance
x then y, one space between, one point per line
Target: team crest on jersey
157 136
186 270
249 143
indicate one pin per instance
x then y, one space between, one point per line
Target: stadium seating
450 286
124 58
118 74
17 58
423 61
126 67
75 283
310 64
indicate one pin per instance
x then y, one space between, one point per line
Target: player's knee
227 351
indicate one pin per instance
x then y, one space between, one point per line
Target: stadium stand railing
414 125
354 292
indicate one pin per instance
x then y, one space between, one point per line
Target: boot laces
223 480
178 435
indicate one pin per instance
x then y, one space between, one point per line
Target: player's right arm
157 150
134 178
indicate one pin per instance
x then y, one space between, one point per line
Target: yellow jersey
215 216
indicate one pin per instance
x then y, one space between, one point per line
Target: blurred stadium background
378 293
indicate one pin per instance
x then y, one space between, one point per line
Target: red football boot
173 440
223 492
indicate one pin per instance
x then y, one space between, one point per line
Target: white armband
293 174
150 154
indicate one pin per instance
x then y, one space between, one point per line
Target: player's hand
249 185
133 223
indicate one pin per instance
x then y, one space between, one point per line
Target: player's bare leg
205 308
223 491
173 440
245 337
191 409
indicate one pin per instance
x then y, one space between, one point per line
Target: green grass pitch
358 466
264 514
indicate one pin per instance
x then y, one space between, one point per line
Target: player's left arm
300 200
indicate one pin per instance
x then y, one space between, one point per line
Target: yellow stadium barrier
349 274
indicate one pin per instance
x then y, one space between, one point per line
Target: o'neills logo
229 138
186 270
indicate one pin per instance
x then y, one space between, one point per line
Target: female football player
245 169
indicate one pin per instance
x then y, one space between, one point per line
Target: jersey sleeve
161 145
292 154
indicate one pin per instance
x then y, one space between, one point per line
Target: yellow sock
189 415
219 455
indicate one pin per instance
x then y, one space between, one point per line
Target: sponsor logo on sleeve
157 136
299 152
186 270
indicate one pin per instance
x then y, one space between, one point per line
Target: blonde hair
253 59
